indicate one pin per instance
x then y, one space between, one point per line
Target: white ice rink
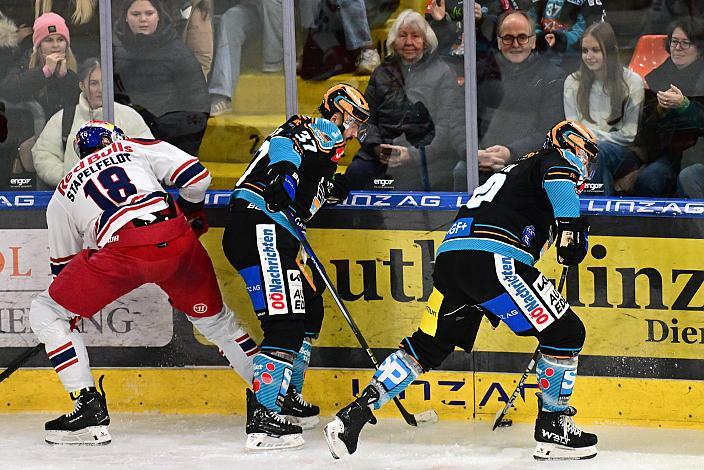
217 442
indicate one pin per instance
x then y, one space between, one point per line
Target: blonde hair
412 17
37 60
82 15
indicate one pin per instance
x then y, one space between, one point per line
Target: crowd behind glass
630 71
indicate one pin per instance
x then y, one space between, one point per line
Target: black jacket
530 104
393 93
158 72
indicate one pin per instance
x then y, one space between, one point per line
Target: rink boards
639 293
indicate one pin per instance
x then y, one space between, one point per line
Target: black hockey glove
195 215
281 190
338 189
572 241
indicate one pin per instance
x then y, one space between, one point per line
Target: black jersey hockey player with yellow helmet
485 266
293 170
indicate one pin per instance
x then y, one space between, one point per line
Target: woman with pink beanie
48 73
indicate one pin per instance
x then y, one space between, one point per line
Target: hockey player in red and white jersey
112 228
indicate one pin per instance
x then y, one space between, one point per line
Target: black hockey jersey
513 213
314 146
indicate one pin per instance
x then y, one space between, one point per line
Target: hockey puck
505 423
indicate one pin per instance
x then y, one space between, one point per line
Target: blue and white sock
394 375
556 377
300 363
272 376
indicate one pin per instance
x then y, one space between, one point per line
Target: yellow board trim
600 400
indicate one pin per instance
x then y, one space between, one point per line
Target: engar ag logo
20 183
383 183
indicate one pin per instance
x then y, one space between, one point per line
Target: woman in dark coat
416 127
159 76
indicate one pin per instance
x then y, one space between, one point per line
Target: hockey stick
21 359
423 418
499 418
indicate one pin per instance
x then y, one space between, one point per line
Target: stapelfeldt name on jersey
92 164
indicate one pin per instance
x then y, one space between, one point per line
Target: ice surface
156 441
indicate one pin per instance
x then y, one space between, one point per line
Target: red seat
649 54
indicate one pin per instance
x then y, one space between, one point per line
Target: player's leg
50 317
530 305
295 408
264 255
202 303
557 436
447 321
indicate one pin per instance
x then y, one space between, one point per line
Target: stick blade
498 417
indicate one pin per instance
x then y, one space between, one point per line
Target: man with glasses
517 108
292 171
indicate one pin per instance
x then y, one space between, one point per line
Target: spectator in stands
341 40
664 12
245 20
9 41
48 75
415 132
159 76
446 17
606 98
674 116
53 152
195 27
517 108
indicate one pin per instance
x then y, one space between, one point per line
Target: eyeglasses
684 45
522 39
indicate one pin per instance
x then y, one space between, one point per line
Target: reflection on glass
158 75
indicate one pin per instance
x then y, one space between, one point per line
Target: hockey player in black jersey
485 266
293 170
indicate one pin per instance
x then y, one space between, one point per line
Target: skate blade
90 436
332 431
548 451
262 441
308 422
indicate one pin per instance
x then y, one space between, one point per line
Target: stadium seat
649 54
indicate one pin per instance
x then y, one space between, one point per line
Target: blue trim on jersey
490 246
254 198
563 197
413 351
188 174
281 150
334 136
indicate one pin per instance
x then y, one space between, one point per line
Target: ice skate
87 424
298 411
267 430
559 438
342 434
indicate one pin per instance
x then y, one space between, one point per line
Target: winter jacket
24 84
530 104
52 161
624 131
673 130
393 90
158 72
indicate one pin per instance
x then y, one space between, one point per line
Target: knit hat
47 24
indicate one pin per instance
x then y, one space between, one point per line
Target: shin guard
65 348
556 377
300 363
394 375
272 376
235 344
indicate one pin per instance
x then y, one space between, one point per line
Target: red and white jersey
110 187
